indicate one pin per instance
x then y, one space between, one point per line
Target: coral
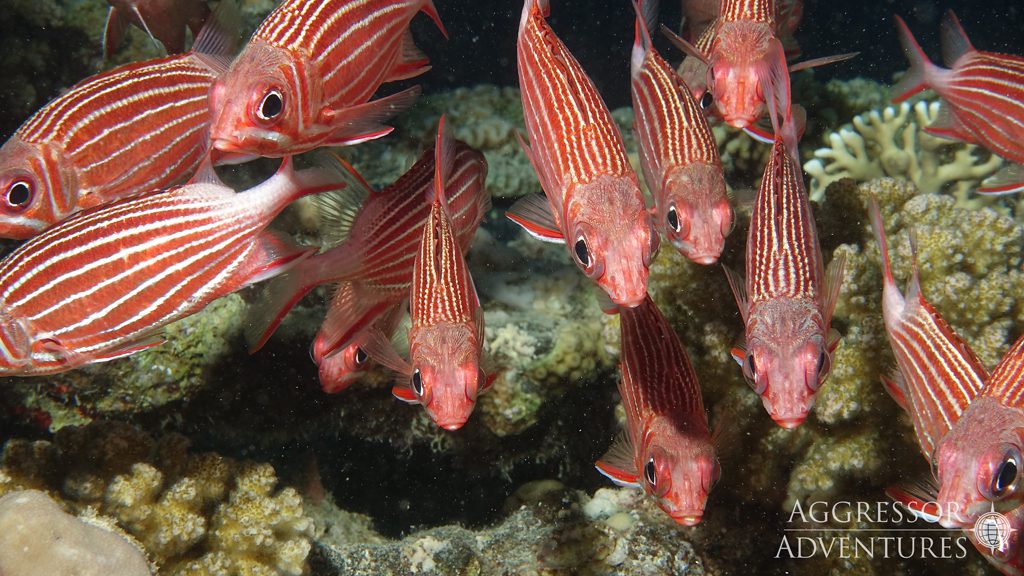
892 142
37 537
193 513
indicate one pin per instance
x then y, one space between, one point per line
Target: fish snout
626 285
687 519
790 423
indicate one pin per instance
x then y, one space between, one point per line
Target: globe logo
992 530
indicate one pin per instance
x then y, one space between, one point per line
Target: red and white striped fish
594 202
678 152
666 448
979 463
446 336
343 367
136 128
788 298
982 97
377 235
100 285
938 374
306 76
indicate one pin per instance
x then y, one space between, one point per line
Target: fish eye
582 251
1005 477
673 218
19 194
360 357
823 363
650 473
417 383
271 106
749 367
706 100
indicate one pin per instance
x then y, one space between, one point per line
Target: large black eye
1007 474
19 195
360 357
706 100
749 368
650 473
417 383
822 361
673 219
271 106
582 251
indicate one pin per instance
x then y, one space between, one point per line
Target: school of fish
123 240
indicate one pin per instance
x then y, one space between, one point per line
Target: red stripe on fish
667 447
678 153
72 154
592 192
940 373
101 284
305 77
788 299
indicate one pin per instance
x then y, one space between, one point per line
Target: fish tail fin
953 39
430 10
646 19
919 76
217 43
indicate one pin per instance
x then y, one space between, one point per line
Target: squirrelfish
982 97
100 285
979 463
308 71
594 203
788 298
163 20
446 336
136 128
666 448
341 368
678 153
938 373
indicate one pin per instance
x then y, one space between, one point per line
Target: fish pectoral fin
1008 180
274 253
377 346
619 464
896 387
364 122
127 349
113 33
918 498
761 133
739 352
605 302
823 61
533 213
833 282
739 290
60 353
832 338
679 42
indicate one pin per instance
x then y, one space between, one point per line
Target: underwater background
218 462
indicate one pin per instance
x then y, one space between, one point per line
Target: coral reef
892 142
193 513
37 537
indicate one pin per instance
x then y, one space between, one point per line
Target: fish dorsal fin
646 20
953 39
897 388
337 209
533 213
217 43
682 44
739 290
619 463
833 282
774 80
444 158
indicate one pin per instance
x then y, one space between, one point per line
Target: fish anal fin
895 386
947 125
364 122
1008 180
619 462
273 254
411 61
533 213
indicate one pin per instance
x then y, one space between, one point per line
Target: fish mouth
704 258
790 422
452 425
687 519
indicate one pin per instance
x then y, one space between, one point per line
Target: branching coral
892 142
193 513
